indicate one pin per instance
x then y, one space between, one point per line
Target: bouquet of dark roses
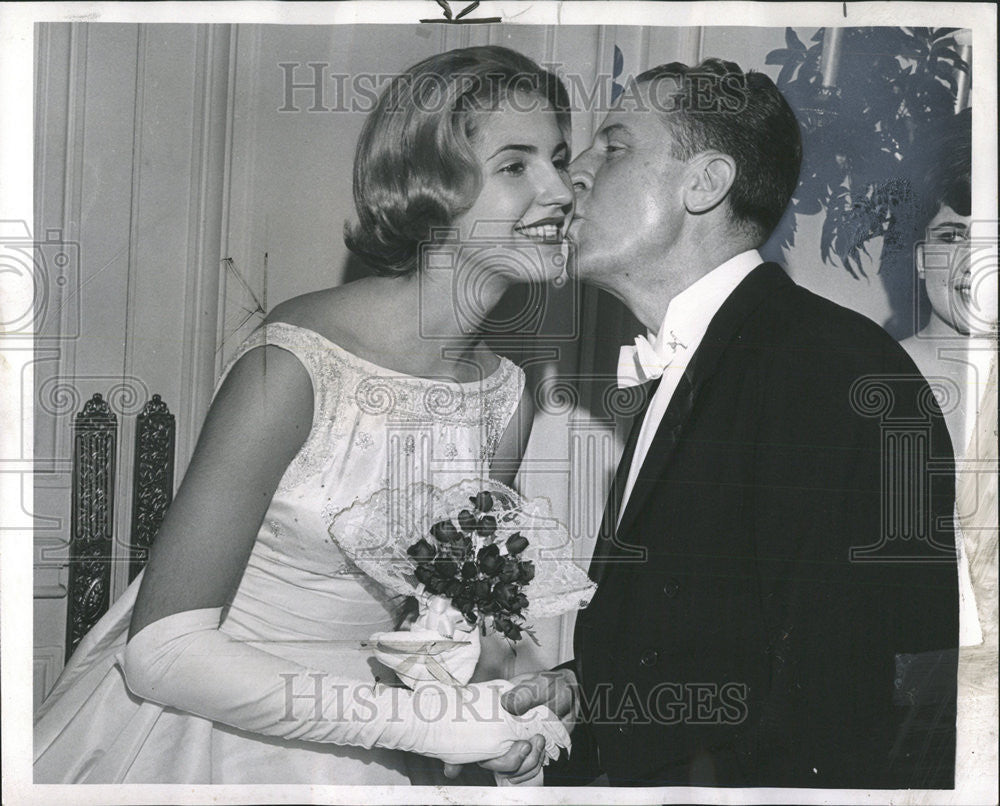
480 569
477 556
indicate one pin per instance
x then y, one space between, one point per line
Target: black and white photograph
558 402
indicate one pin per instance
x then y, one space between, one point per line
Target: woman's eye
513 168
949 235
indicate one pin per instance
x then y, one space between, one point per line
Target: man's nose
581 173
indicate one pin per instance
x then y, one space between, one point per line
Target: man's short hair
415 170
718 107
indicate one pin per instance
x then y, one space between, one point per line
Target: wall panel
122 174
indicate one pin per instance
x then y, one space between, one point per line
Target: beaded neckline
501 371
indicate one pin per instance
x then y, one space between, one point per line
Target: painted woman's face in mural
961 282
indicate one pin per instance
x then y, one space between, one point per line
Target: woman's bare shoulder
309 310
332 313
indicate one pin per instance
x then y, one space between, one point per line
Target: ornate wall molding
152 479
95 447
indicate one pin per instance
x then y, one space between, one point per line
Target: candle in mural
830 59
964 41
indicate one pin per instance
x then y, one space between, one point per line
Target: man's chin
582 267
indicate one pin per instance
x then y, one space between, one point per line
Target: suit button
671 588
624 730
649 657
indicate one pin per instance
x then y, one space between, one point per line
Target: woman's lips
547 231
964 287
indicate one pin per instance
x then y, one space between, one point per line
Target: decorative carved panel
152 479
95 445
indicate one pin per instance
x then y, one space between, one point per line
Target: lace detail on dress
403 398
348 389
497 411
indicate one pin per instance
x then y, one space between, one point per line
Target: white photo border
17 22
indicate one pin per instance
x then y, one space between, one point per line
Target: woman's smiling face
525 200
944 264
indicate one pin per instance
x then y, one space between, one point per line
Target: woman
960 302
954 347
242 662
956 352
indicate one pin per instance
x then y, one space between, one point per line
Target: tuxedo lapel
761 283
605 546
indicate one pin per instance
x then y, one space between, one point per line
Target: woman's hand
520 764
479 728
555 690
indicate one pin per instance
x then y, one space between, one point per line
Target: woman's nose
557 190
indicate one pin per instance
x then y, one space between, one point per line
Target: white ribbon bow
440 645
643 362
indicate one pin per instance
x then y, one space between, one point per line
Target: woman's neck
937 328
424 321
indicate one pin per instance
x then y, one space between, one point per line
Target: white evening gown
300 597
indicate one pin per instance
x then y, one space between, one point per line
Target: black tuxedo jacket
773 608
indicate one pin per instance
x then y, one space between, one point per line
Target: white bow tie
643 362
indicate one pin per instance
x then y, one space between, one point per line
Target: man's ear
711 176
919 259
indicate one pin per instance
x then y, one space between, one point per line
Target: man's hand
519 764
555 689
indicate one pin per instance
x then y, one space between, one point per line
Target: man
777 586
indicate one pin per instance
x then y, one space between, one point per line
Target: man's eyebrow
527 149
614 128
955 225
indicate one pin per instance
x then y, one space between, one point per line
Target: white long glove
183 661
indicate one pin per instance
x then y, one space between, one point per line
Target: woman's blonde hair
414 169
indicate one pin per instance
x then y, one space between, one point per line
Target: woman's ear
712 175
919 260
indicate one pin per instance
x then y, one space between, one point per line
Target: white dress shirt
684 325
